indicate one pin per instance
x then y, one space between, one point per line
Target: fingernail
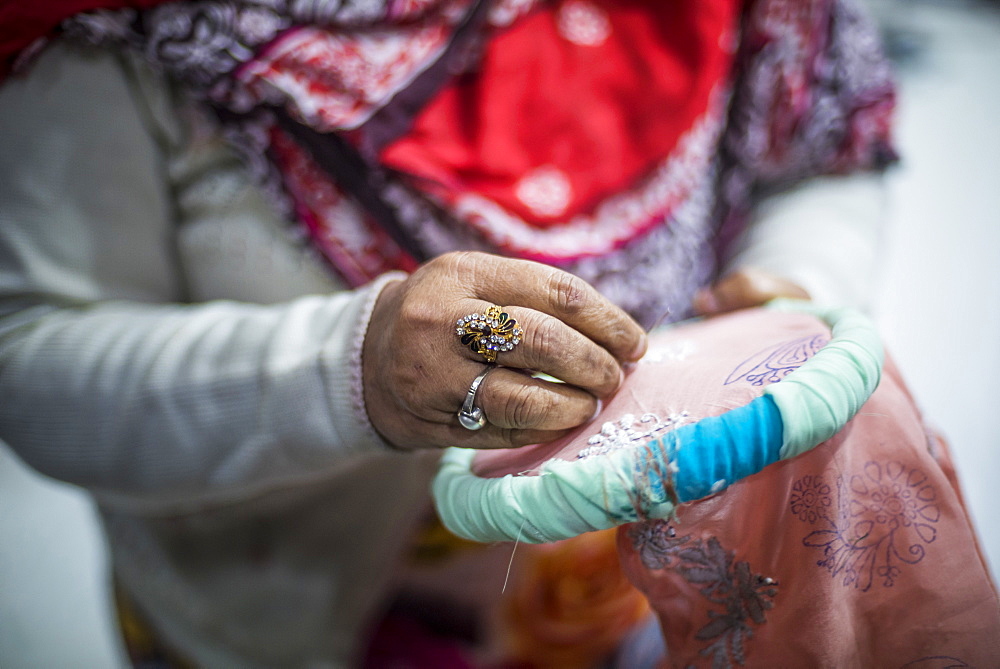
640 349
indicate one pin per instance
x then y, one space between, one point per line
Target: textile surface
844 556
847 555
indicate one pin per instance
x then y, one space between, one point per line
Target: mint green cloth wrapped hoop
567 498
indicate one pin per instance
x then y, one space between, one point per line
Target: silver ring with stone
470 416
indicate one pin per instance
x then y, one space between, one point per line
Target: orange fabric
571 604
565 605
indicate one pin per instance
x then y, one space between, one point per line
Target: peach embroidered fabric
858 553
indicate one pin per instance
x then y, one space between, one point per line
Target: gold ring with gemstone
489 333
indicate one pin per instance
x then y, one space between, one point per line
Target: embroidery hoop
567 498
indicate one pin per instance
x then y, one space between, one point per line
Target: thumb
742 289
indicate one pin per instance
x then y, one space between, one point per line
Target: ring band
470 416
489 333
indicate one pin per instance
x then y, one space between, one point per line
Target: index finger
524 283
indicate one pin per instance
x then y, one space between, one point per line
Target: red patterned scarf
613 139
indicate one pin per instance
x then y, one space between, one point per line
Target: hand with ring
449 354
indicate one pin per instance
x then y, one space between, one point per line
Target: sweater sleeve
109 379
824 234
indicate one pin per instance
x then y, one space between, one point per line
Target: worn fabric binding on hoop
569 497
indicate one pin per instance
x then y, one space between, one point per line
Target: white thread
511 563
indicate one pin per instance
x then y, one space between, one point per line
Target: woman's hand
417 372
744 288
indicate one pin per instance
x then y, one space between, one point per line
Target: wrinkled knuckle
462 264
570 293
543 340
460 259
611 375
428 269
525 406
621 337
448 264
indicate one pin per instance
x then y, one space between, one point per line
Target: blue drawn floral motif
883 520
741 596
776 362
810 499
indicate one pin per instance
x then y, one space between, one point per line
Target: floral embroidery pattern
628 432
810 498
883 520
775 363
675 351
742 597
